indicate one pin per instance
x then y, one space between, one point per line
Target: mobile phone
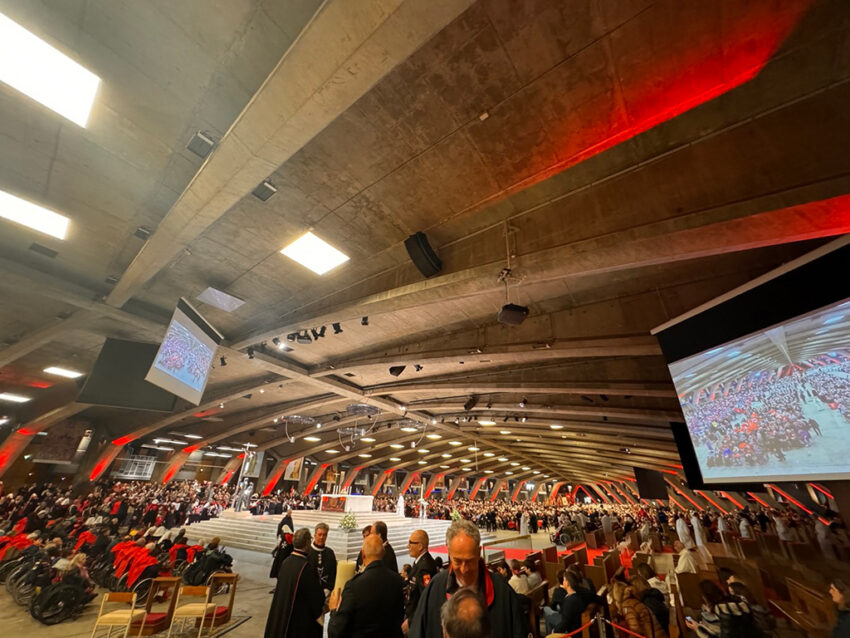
689 619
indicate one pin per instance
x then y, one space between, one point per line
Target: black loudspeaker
396 370
422 255
513 314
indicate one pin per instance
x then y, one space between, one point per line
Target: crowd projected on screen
184 357
772 404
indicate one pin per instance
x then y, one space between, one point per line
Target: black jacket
420 575
372 605
571 610
654 599
298 601
842 627
557 598
324 560
506 616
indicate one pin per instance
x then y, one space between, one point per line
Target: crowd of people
761 418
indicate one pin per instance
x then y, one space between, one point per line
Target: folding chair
192 610
119 617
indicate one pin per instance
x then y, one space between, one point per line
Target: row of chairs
144 621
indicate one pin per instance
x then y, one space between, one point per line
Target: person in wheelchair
211 561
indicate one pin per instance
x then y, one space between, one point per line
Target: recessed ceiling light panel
63 372
13 398
32 215
314 253
45 74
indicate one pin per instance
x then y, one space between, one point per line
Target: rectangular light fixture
14 398
312 439
192 436
63 372
314 253
32 215
45 74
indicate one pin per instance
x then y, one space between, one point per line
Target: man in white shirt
683 532
607 523
518 581
687 559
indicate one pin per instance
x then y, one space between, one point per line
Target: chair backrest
159 584
195 590
230 579
817 607
596 574
569 559
689 590
581 555
120 597
638 558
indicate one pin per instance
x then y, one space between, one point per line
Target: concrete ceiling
633 160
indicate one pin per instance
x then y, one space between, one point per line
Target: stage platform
259 533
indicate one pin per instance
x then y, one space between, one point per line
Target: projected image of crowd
759 419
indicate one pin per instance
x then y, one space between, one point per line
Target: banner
293 470
61 443
251 464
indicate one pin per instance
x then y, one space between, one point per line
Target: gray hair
301 539
465 615
463 527
323 526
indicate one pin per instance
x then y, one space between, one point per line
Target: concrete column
177 461
380 480
453 487
229 470
517 490
429 487
554 493
498 488
408 479
477 486
275 476
536 492
314 477
349 480
599 491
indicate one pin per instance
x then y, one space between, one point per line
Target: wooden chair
581 556
569 559
592 539
118 617
154 622
639 558
749 548
633 540
677 614
690 594
655 542
188 611
596 574
223 613
536 599
809 610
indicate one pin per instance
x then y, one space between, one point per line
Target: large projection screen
182 364
763 376
774 405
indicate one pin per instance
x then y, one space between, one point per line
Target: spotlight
223 362
250 352
506 419
304 338
317 334
523 419
292 336
489 404
413 444
417 367
604 397
364 321
471 402
523 403
337 328
396 370
276 342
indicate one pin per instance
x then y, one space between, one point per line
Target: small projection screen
650 483
182 364
118 378
763 375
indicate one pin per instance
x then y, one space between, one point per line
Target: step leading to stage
259 533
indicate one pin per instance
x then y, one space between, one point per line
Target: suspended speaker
422 255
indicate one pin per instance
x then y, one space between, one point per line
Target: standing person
683 532
468 570
284 544
839 591
423 569
323 558
298 600
380 529
358 564
372 603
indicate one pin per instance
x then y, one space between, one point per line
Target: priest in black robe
323 558
298 599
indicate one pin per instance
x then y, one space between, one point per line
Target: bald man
372 603
423 568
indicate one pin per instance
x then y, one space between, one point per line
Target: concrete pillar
453 487
429 487
229 470
380 480
275 476
314 477
554 493
498 488
477 486
97 441
517 490
408 479
536 492
599 491
177 461
349 480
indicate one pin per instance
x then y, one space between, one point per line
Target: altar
345 503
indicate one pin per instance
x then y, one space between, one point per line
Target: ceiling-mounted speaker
396 370
512 314
422 255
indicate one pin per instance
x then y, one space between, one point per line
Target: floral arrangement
456 515
348 522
